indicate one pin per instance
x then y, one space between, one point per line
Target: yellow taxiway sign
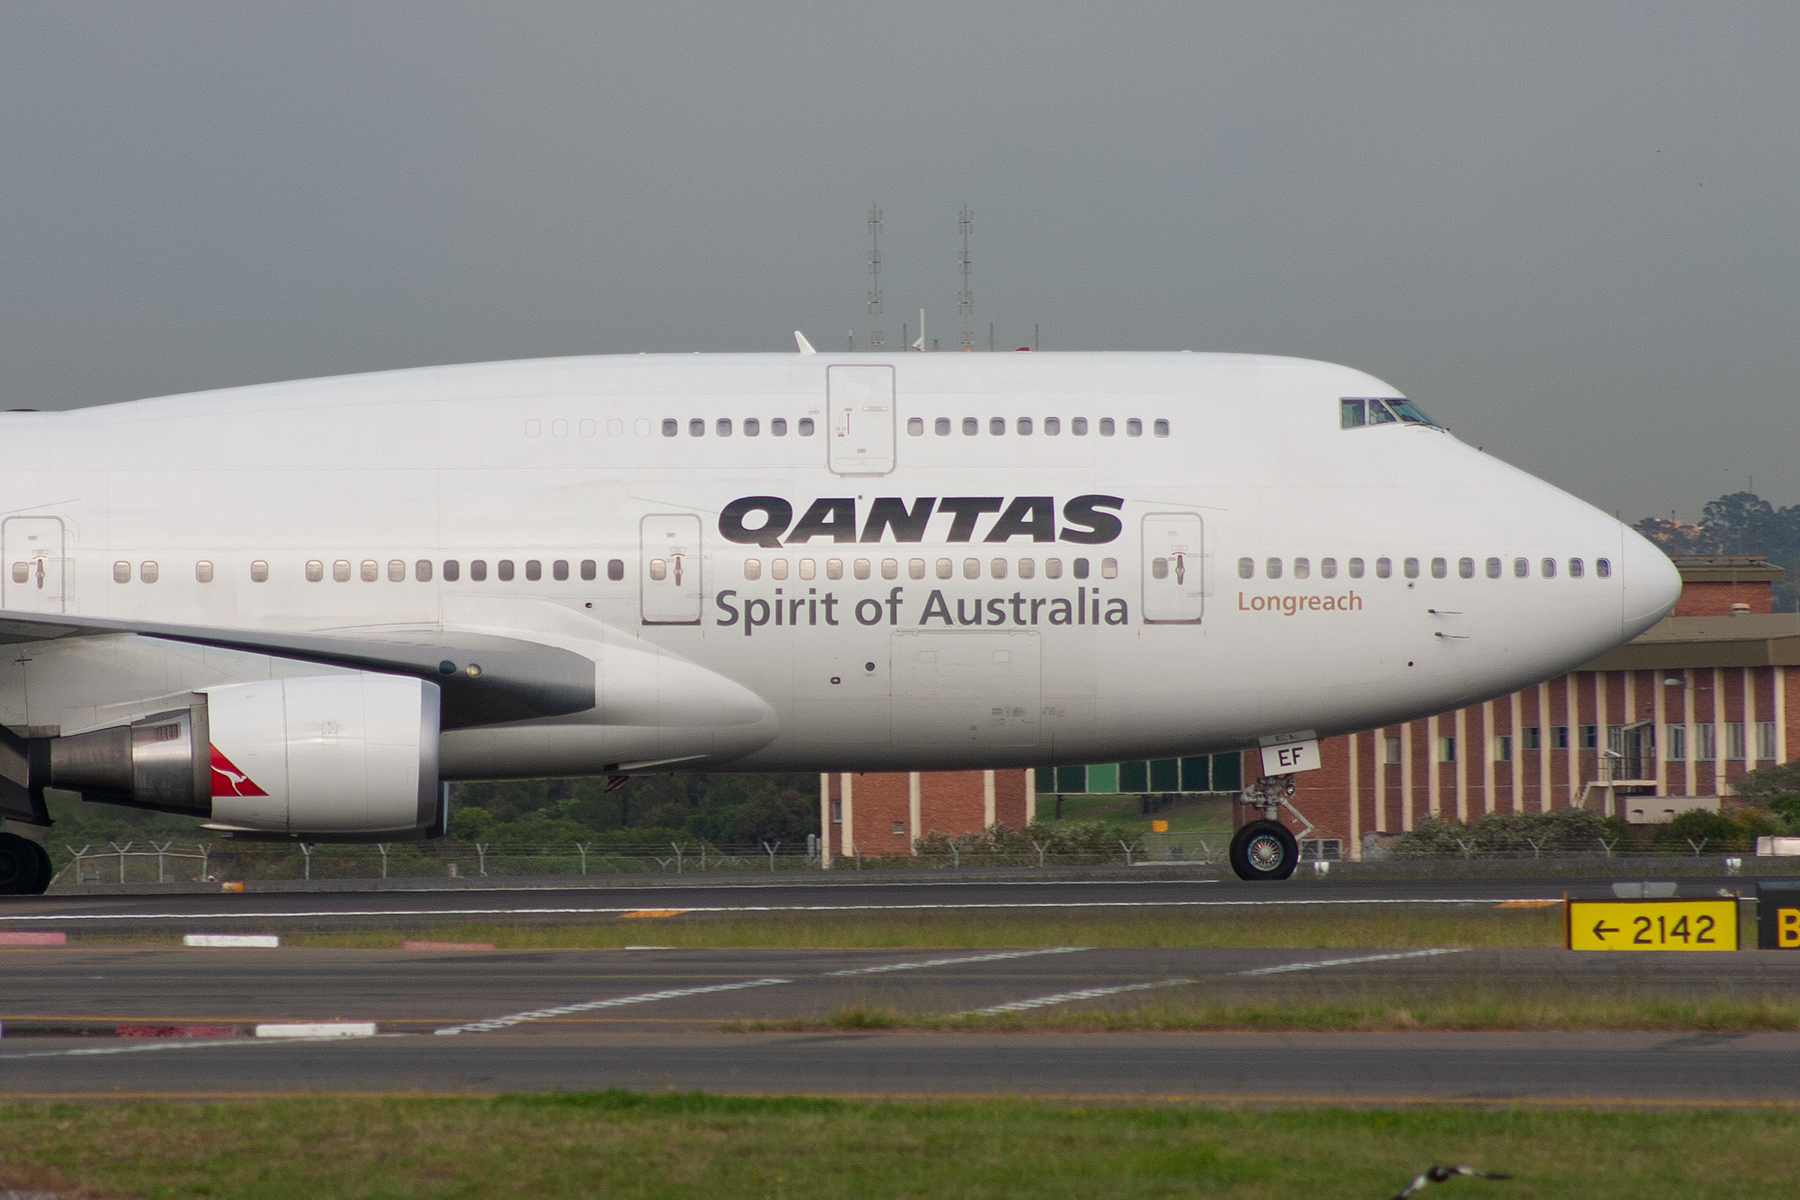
1651 925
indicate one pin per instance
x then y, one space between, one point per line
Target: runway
343 909
478 1022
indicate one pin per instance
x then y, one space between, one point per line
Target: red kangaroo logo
227 780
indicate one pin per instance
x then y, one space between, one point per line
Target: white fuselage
962 646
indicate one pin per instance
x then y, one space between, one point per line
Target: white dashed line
541 1014
1344 962
950 962
1068 997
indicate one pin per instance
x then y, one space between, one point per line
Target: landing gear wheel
24 866
1264 850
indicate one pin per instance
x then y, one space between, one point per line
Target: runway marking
1344 962
735 908
947 962
1069 997
540 1014
160 1044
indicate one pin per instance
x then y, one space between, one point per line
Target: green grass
617 1144
1349 926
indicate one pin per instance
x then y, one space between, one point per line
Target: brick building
878 813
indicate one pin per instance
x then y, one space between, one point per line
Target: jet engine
348 757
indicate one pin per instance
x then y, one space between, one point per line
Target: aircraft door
35 566
1173 586
861 406
669 569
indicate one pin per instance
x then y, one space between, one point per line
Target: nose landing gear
1266 849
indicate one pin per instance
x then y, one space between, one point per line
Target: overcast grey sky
1569 230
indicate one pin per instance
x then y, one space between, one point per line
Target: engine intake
351 757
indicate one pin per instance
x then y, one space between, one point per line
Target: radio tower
875 277
965 303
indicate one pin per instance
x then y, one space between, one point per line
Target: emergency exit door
861 408
35 566
669 570
1173 588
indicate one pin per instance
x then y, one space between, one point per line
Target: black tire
1264 850
24 867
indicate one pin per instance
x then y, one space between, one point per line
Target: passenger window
1356 568
1328 568
615 569
1053 568
396 570
452 570
559 570
1548 568
808 568
997 568
587 429
1159 568
203 571
971 427
1134 427
1521 568
588 571
1080 568
1078 426
860 568
1384 568
340 570
753 568
1439 568
1024 424
941 426
671 427
915 426
1575 568
806 426
422 570
1411 568
1465 568
1493 568
1161 427
1027 568
997 426
659 570
697 427
1246 568
505 570
1052 426
834 568
722 427
1106 426
752 427
259 571
778 568
890 568
778 427
121 572
971 568
478 570
371 570
534 570
1272 568
148 571
1350 413
945 568
915 568
1302 568
315 570
1603 568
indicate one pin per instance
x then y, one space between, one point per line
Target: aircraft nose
1649 585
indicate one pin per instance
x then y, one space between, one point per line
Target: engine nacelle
326 757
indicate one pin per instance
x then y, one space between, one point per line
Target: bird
1438 1174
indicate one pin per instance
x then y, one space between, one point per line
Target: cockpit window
1352 413
1379 414
1409 412
1355 412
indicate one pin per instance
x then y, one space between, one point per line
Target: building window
837 811
1765 740
1590 737
1321 849
1559 737
1391 747
1677 743
1503 747
1734 741
1703 743
899 828
1447 749
1533 740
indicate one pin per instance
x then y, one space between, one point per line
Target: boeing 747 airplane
296 610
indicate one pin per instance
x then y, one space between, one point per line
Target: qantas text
769 520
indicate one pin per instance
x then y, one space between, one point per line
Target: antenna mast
875 277
965 303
